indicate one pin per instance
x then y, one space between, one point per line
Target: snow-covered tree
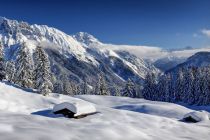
66 86
76 90
169 94
189 86
2 63
149 90
42 72
129 90
161 89
201 87
85 87
24 68
101 87
165 89
117 91
58 87
205 97
179 86
139 88
10 71
198 84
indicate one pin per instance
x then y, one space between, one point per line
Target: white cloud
187 53
146 52
154 53
206 32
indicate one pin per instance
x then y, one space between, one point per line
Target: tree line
190 85
100 88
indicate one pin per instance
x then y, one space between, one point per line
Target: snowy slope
25 115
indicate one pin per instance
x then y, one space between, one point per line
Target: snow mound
197 116
79 107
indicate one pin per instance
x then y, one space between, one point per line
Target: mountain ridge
199 59
78 56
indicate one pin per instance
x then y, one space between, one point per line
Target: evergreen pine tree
24 68
101 88
186 85
149 86
198 85
179 86
117 91
206 90
75 89
10 71
58 87
191 92
42 72
169 96
2 63
66 86
85 87
161 89
129 90
78 89
203 87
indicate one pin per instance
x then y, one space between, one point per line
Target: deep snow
26 115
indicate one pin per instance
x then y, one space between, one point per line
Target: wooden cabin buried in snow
78 109
66 113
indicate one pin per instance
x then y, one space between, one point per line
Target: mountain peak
2 18
86 38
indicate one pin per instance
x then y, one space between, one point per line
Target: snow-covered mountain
77 56
199 59
116 58
168 63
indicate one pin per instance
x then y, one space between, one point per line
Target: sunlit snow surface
27 116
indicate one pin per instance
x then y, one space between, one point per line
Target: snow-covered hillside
26 115
76 56
200 59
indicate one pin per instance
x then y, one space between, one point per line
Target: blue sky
162 23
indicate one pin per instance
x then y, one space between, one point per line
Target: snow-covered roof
198 115
79 108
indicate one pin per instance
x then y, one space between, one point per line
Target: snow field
25 115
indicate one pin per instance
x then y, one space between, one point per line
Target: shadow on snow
46 113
